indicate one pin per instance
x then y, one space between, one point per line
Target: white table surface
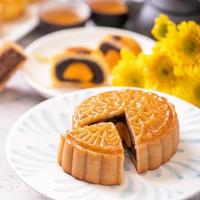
15 101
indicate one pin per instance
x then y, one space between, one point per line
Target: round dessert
146 123
79 67
151 121
110 46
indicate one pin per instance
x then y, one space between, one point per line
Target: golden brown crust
101 165
148 115
151 155
101 137
152 120
60 149
95 154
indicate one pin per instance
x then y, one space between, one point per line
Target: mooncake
93 153
110 46
146 124
79 67
11 59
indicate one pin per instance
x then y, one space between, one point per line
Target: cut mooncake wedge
79 67
93 153
147 123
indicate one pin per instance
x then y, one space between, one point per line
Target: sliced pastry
110 46
93 153
11 58
79 67
147 123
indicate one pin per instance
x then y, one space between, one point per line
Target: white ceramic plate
18 28
37 73
32 147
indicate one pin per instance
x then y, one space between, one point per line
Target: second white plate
37 73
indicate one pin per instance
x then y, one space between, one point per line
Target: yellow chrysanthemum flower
188 89
162 26
187 70
128 72
189 33
160 72
172 67
185 48
127 55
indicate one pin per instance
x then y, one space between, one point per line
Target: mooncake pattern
93 153
151 120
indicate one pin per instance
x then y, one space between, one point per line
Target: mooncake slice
79 67
110 46
11 59
147 123
93 153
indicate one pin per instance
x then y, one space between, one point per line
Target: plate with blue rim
32 146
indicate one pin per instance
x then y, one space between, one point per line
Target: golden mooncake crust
93 153
151 119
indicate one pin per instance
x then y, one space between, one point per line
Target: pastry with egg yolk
79 67
110 46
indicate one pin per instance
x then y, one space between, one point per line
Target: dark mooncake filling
131 150
94 67
9 60
105 47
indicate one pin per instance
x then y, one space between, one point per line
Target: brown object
146 123
93 153
79 67
110 46
11 58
